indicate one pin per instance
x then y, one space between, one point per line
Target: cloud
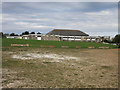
61 1
31 7
91 18
103 13
32 25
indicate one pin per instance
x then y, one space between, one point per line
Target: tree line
23 33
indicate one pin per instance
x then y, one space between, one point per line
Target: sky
93 18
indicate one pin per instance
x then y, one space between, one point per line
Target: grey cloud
33 7
43 17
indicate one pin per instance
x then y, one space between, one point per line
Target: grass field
34 67
57 44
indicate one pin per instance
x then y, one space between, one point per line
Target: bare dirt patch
45 67
53 57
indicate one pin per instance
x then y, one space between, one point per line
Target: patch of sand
28 56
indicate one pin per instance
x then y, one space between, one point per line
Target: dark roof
67 32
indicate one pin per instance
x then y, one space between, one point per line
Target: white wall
10 37
38 38
77 39
26 37
88 39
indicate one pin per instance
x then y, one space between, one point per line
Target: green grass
57 44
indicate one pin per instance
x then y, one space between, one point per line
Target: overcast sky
93 18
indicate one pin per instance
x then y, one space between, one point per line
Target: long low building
64 35
36 37
76 35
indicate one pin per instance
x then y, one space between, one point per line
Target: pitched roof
67 32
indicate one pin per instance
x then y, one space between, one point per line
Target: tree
12 34
32 33
4 35
26 32
117 39
23 33
38 33
16 35
107 41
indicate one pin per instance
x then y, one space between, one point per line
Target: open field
57 67
57 44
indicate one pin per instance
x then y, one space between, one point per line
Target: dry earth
60 68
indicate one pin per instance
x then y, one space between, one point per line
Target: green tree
32 33
12 34
26 32
38 33
117 39
107 41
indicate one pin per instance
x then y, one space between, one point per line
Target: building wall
63 38
50 37
84 38
25 37
33 36
10 37
39 38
